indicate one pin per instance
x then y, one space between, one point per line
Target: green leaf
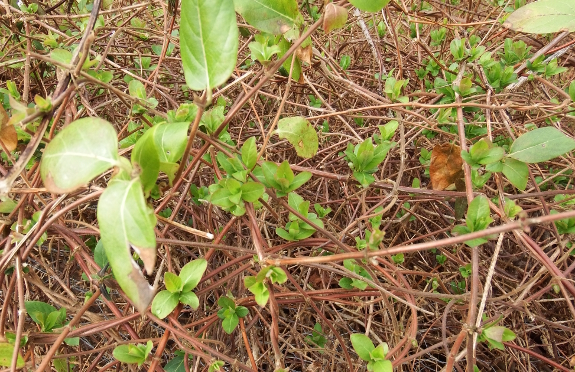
192 272
216 366
365 179
171 140
208 42
126 221
169 169
137 89
190 299
272 16
249 153
74 157
278 275
225 301
478 214
242 311
145 155
212 119
369 5
300 133
541 144
284 46
516 172
7 206
38 311
176 364
572 90
252 191
483 152
388 130
362 346
52 321
382 366
6 351
221 198
543 17
499 334
230 323
72 341
61 55
173 282
164 303
261 293
299 180
346 283
100 254
129 354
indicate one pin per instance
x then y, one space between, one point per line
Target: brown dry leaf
446 163
8 133
304 54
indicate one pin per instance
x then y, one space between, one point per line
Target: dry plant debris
367 244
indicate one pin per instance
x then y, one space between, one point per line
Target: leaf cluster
179 289
257 284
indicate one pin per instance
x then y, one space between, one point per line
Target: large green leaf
543 17
126 221
164 303
208 42
6 351
516 172
145 155
80 152
192 272
300 133
369 5
272 16
478 214
171 140
38 310
362 346
541 145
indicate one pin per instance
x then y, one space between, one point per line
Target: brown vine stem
247 345
472 312
21 313
516 225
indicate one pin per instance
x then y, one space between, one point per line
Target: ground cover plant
282 185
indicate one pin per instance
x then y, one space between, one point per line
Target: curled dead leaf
8 134
304 54
445 168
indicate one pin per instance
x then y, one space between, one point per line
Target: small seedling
297 229
179 289
351 283
316 337
477 219
374 356
257 286
132 354
49 318
230 313
364 159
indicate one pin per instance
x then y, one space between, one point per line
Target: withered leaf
304 54
445 167
8 133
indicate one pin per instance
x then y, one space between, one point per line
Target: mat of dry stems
423 327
